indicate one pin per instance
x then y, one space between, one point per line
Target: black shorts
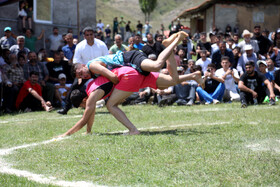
136 58
107 88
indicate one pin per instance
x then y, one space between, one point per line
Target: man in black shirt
252 88
263 42
152 47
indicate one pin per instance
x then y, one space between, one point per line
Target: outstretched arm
88 116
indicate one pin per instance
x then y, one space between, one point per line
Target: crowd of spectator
243 68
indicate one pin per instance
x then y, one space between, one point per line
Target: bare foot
182 35
169 40
198 78
135 132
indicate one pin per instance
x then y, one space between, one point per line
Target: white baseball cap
61 76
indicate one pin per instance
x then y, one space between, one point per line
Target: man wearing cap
62 89
7 41
249 55
263 42
247 40
252 88
19 47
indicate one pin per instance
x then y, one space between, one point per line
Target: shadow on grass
185 132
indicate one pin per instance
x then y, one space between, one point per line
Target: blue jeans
208 97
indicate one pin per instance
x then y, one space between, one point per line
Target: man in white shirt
89 48
248 41
85 51
230 76
203 61
55 40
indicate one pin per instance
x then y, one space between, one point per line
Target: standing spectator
128 31
264 43
30 40
138 42
214 87
122 24
100 25
188 46
236 56
147 28
222 51
7 41
118 46
251 87
235 38
152 47
89 48
139 28
55 40
203 62
115 26
86 50
203 45
108 35
69 49
247 40
34 65
249 55
230 77
19 47
30 95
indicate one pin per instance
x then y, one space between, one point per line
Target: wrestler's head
78 98
80 71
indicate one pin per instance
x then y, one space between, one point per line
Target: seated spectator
262 67
56 67
30 41
152 47
131 44
69 49
236 56
19 47
118 46
138 42
203 61
214 87
15 80
34 65
276 56
248 41
188 47
277 83
8 40
249 55
251 85
230 77
30 96
270 66
21 60
185 92
222 51
61 90
22 14
141 97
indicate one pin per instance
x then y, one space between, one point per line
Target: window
43 11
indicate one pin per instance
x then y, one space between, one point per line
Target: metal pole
78 19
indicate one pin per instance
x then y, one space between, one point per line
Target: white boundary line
6 168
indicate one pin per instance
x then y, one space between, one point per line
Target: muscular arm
98 67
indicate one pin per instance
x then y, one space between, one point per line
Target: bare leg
164 81
23 22
30 23
112 105
155 66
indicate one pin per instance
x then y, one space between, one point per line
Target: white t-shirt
85 52
203 64
55 42
100 26
229 81
63 91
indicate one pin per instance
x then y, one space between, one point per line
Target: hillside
165 11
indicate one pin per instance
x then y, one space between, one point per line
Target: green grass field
215 145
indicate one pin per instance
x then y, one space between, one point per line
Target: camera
209 70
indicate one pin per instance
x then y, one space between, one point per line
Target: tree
147 6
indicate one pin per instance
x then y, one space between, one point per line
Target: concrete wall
224 15
64 17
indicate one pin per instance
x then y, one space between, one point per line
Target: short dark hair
250 63
55 28
33 73
77 97
224 58
138 35
212 65
88 28
74 69
257 26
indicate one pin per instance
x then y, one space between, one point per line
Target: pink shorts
130 80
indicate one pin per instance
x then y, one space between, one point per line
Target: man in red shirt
30 95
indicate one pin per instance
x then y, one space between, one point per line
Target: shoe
271 102
190 103
162 103
215 101
62 111
27 110
243 105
